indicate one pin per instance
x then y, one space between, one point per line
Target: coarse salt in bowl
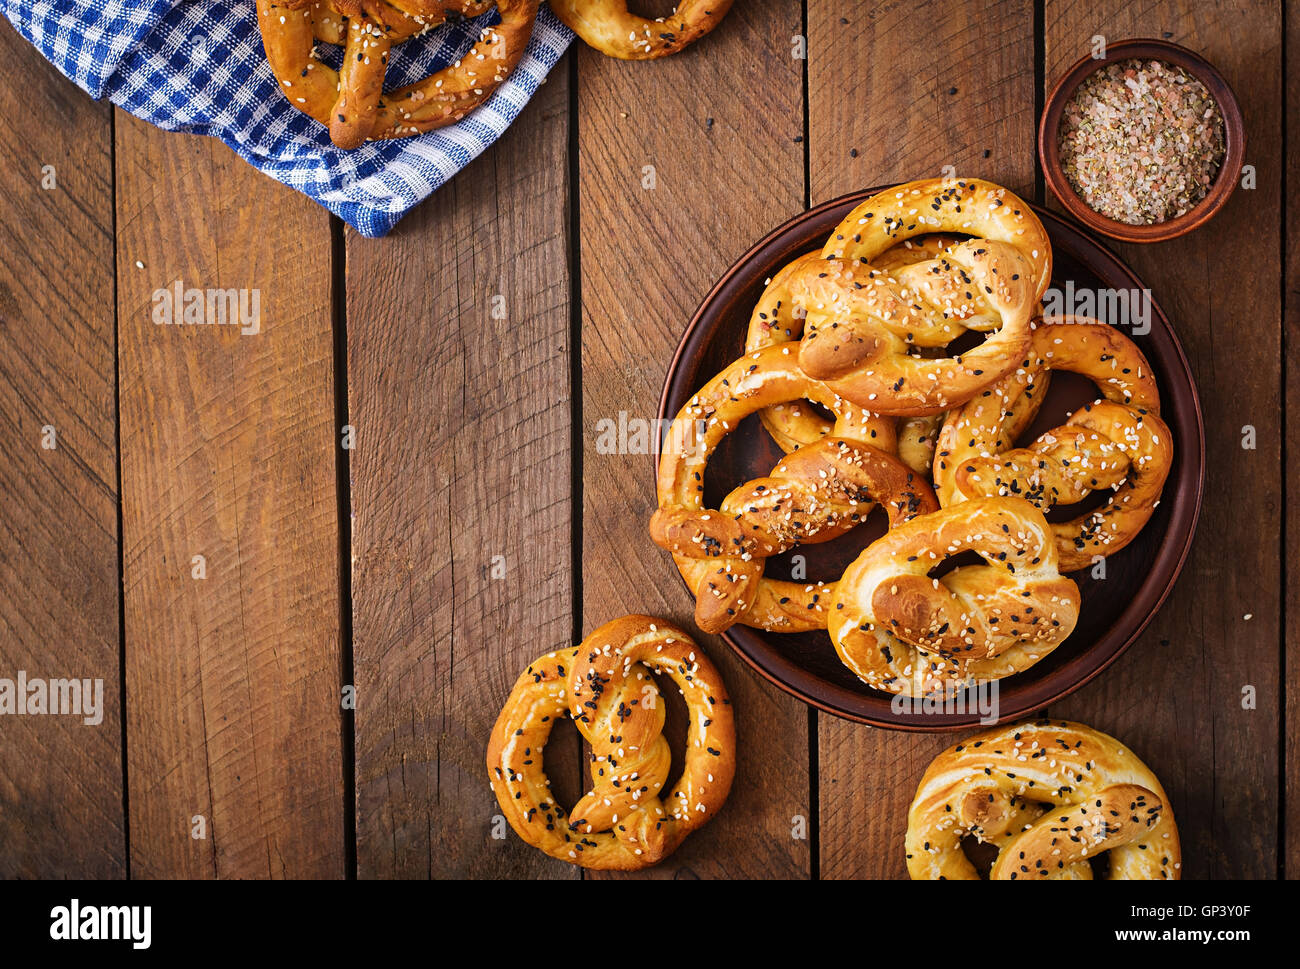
1143 143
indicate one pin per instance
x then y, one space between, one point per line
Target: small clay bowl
1115 610
1234 131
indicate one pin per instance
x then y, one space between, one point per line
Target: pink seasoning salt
1141 141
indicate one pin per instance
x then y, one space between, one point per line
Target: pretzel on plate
1050 795
865 326
813 495
608 26
351 101
901 631
1118 442
627 821
777 318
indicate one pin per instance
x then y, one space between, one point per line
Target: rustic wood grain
719 124
1176 696
1290 848
464 425
60 778
897 93
462 466
228 451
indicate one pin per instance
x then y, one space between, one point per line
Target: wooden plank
228 452
896 93
60 778
721 125
459 390
1176 696
1291 363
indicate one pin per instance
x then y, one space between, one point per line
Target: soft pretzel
917 437
626 821
1050 795
777 318
900 630
351 101
1119 442
865 325
813 495
608 26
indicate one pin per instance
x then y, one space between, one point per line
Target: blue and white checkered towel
198 65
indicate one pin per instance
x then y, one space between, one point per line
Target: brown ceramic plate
1115 609
1234 133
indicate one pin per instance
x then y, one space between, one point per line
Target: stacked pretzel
850 363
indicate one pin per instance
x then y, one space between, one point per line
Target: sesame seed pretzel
351 101
900 630
608 26
626 821
813 495
1050 795
777 318
1118 442
864 324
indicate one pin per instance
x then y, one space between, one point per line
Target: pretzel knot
779 318
626 821
902 631
1117 443
608 26
813 495
351 101
1049 795
866 326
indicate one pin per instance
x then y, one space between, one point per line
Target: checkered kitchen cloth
198 66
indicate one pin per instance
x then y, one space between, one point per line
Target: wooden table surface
474 523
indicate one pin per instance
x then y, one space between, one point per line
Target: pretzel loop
1117 443
626 821
813 495
778 317
1049 795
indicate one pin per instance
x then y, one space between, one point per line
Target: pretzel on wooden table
1117 443
904 632
627 821
865 327
1050 795
351 101
608 26
813 495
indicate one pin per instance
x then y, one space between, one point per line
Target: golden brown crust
608 26
1117 443
1050 795
626 821
917 437
865 324
352 102
901 631
813 495
777 318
